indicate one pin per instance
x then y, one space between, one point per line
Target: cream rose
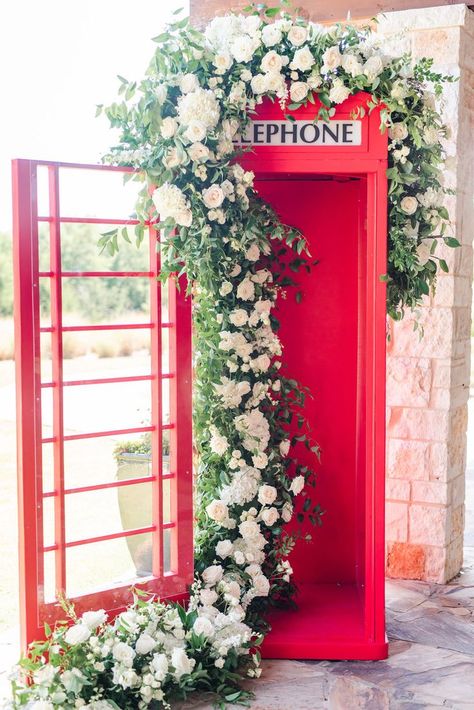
168 127
267 494
246 290
79 633
213 197
297 35
203 627
198 151
212 575
409 204
423 251
339 92
93 619
431 135
145 644
272 62
299 91
208 597
284 447
271 35
182 664
269 516
222 62
225 289
252 253
373 67
398 131
259 84
217 511
196 131
351 65
332 59
303 60
188 83
224 548
239 317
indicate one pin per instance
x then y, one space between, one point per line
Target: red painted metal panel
35 607
334 341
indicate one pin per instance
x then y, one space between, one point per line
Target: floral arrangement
178 127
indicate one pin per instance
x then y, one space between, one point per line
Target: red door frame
33 608
368 160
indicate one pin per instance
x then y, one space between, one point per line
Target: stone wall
428 379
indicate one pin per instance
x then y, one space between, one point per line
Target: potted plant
135 501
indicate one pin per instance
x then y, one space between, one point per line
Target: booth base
328 624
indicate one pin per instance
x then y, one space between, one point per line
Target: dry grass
104 344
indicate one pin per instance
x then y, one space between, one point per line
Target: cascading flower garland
199 92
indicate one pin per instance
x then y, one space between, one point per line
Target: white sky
58 59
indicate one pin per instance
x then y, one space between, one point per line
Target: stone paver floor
431 661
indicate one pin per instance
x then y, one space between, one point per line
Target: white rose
399 90
123 653
198 151
260 460
261 585
269 516
182 664
212 575
44 675
41 705
252 253
226 288
314 80
409 205
351 65
373 67
239 317
93 619
213 197
272 62
287 512
303 60
184 218
196 131
145 643
203 627
217 511
208 596
423 251
298 91
259 84
297 485
271 35
339 92
222 62
79 633
168 127
297 35
219 444
398 131
224 548
284 447
159 666
172 158
250 24
243 47
249 529
332 59
246 290
188 83
267 494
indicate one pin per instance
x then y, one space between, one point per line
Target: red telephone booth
329 180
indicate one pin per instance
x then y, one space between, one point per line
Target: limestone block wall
428 379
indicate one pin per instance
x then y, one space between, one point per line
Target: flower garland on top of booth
199 92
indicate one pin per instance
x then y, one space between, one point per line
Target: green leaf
443 265
272 11
451 242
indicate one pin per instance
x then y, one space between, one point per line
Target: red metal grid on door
172 535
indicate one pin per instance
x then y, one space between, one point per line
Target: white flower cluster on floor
198 94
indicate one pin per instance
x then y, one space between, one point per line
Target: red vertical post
181 436
28 402
57 376
156 408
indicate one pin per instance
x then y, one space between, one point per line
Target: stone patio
431 661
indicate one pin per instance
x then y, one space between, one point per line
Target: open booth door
89 529
328 180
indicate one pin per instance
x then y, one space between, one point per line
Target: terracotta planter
135 503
